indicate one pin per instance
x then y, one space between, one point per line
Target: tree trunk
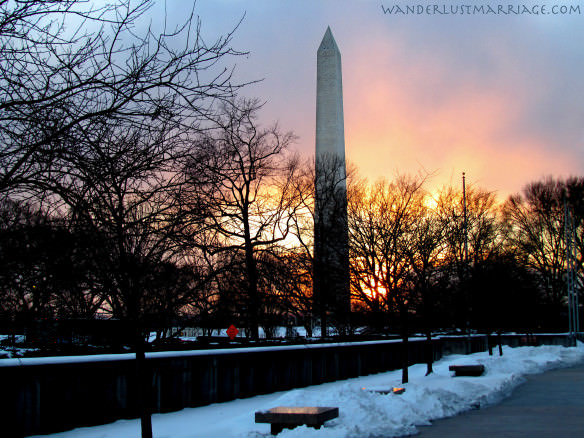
320 294
428 318
429 352
144 389
253 296
143 384
323 320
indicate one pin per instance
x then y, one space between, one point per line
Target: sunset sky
500 97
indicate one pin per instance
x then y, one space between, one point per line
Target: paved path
547 405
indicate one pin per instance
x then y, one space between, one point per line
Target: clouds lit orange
498 97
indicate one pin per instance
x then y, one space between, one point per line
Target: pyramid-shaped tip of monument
328 41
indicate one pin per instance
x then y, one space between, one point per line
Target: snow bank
367 414
362 412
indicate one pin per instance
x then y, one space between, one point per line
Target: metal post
465 265
568 257
465 220
570 265
574 280
576 299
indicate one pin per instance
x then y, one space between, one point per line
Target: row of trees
136 185
229 240
409 255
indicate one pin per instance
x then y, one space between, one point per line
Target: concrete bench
284 417
467 370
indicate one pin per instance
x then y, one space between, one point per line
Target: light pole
465 220
465 262
573 316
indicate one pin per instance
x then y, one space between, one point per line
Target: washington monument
331 243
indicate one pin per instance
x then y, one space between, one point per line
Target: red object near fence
232 332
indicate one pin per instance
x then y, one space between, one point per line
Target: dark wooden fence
47 395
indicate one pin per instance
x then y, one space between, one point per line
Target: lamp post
465 220
465 261
573 316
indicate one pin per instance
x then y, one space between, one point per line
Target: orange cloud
398 118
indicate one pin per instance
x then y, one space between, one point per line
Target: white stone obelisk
331 246
330 126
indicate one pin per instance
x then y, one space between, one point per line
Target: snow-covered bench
467 370
285 417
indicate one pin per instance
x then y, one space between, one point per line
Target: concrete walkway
547 405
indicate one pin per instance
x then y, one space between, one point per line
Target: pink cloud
401 118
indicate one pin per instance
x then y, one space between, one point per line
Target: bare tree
242 180
481 231
47 269
91 108
425 254
327 296
119 181
66 64
298 285
365 264
381 223
537 233
482 223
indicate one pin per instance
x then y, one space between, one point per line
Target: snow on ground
361 413
14 350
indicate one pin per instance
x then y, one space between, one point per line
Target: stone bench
467 370
284 417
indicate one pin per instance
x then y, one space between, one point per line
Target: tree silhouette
241 181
